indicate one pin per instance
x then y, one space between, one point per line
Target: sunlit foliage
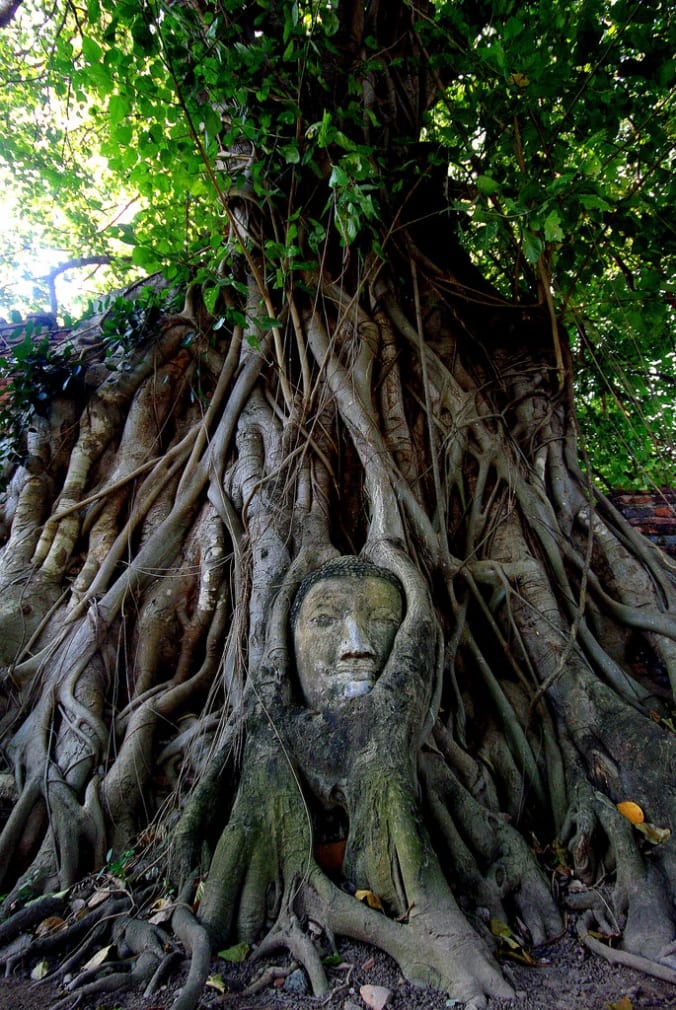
556 123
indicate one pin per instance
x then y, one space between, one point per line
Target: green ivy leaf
291 154
118 108
91 50
338 177
533 247
552 227
486 185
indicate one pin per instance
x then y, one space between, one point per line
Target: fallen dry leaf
162 910
375 996
216 982
515 946
98 897
653 833
39 971
199 894
370 899
98 958
52 924
501 929
622 1004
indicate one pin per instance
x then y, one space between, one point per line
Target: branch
74 264
8 9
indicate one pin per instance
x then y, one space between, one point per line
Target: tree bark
157 531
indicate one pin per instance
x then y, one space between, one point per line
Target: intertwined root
154 548
264 872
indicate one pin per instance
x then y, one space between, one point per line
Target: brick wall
651 512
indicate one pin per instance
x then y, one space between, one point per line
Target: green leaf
325 130
338 177
91 50
592 202
552 227
216 982
210 296
118 108
144 257
533 247
513 27
268 323
235 954
291 154
344 141
332 960
330 22
486 185
122 133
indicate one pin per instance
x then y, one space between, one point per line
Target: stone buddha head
344 619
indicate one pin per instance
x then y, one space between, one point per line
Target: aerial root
109 983
163 970
643 892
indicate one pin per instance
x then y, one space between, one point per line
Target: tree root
623 957
288 933
142 950
431 950
30 916
196 941
510 871
269 976
53 944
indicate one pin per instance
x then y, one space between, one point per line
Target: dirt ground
567 978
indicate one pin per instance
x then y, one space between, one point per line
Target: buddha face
342 637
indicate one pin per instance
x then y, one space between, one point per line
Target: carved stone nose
354 643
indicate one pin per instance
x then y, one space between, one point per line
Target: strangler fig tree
305 590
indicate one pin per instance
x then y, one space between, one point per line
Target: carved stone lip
360 669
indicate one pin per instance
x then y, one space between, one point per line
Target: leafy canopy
555 119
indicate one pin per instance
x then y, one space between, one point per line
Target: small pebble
375 996
296 982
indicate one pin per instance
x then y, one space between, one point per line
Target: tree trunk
158 529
